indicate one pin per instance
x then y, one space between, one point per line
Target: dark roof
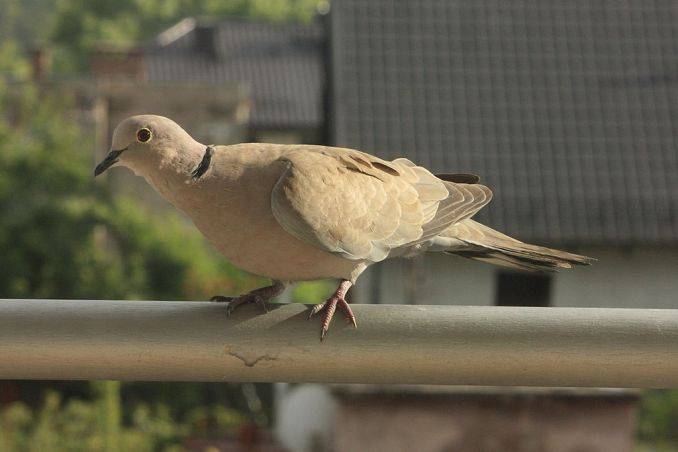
568 110
280 64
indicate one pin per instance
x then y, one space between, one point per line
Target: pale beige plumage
303 212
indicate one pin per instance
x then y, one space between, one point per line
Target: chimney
41 62
206 40
117 64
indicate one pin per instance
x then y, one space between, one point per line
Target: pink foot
258 296
330 305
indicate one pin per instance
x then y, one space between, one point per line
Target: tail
473 240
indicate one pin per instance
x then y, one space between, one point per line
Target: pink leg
330 306
259 296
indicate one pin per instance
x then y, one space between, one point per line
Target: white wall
634 278
627 278
432 279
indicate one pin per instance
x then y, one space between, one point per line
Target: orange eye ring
144 135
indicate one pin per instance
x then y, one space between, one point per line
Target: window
522 289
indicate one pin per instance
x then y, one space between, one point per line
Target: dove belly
264 248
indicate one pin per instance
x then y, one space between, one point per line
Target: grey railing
155 340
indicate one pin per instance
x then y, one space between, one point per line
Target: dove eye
143 135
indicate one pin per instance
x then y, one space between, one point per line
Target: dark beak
110 159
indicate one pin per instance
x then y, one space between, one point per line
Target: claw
330 306
230 308
261 302
235 302
221 299
316 309
348 312
257 296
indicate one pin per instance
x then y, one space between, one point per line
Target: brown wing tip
577 259
459 178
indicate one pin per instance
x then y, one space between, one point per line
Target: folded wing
362 207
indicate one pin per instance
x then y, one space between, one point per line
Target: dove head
147 144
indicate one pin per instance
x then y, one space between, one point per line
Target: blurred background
568 110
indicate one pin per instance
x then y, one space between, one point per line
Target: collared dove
304 212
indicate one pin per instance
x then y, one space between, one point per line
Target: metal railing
154 340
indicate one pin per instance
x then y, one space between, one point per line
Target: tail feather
473 240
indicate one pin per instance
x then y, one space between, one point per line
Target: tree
64 236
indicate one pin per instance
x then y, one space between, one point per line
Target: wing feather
361 207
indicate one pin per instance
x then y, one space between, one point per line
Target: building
443 418
568 112
281 67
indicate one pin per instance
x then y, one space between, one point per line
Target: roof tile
568 110
281 65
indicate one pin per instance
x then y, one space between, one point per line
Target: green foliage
110 415
88 425
12 65
26 21
313 291
64 236
658 418
77 425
